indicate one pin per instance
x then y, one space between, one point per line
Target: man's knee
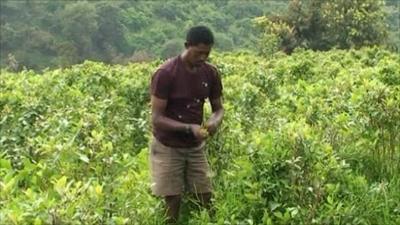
173 199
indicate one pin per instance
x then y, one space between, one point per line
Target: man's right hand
199 132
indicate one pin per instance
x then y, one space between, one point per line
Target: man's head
199 41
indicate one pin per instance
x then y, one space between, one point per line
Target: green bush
311 138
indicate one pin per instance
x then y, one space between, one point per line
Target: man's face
198 54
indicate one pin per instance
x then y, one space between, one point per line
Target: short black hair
199 35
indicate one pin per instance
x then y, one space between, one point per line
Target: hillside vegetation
311 138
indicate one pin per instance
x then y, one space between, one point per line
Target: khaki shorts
175 170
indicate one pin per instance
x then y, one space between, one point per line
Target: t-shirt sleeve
216 84
160 84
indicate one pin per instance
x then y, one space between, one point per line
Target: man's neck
186 62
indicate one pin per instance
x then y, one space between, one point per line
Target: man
178 92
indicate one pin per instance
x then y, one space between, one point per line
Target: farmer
178 89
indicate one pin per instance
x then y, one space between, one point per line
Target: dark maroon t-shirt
185 93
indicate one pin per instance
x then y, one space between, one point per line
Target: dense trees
322 25
61 33
39 34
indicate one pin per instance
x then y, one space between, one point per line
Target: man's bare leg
204 199
173 204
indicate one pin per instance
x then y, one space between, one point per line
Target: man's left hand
211 127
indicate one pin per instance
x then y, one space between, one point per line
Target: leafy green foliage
311 138
63 33
323 25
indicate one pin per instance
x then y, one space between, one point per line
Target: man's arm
160 121
217 115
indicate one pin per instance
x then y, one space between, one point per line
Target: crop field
310 138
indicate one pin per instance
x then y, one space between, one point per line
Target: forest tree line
36 35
